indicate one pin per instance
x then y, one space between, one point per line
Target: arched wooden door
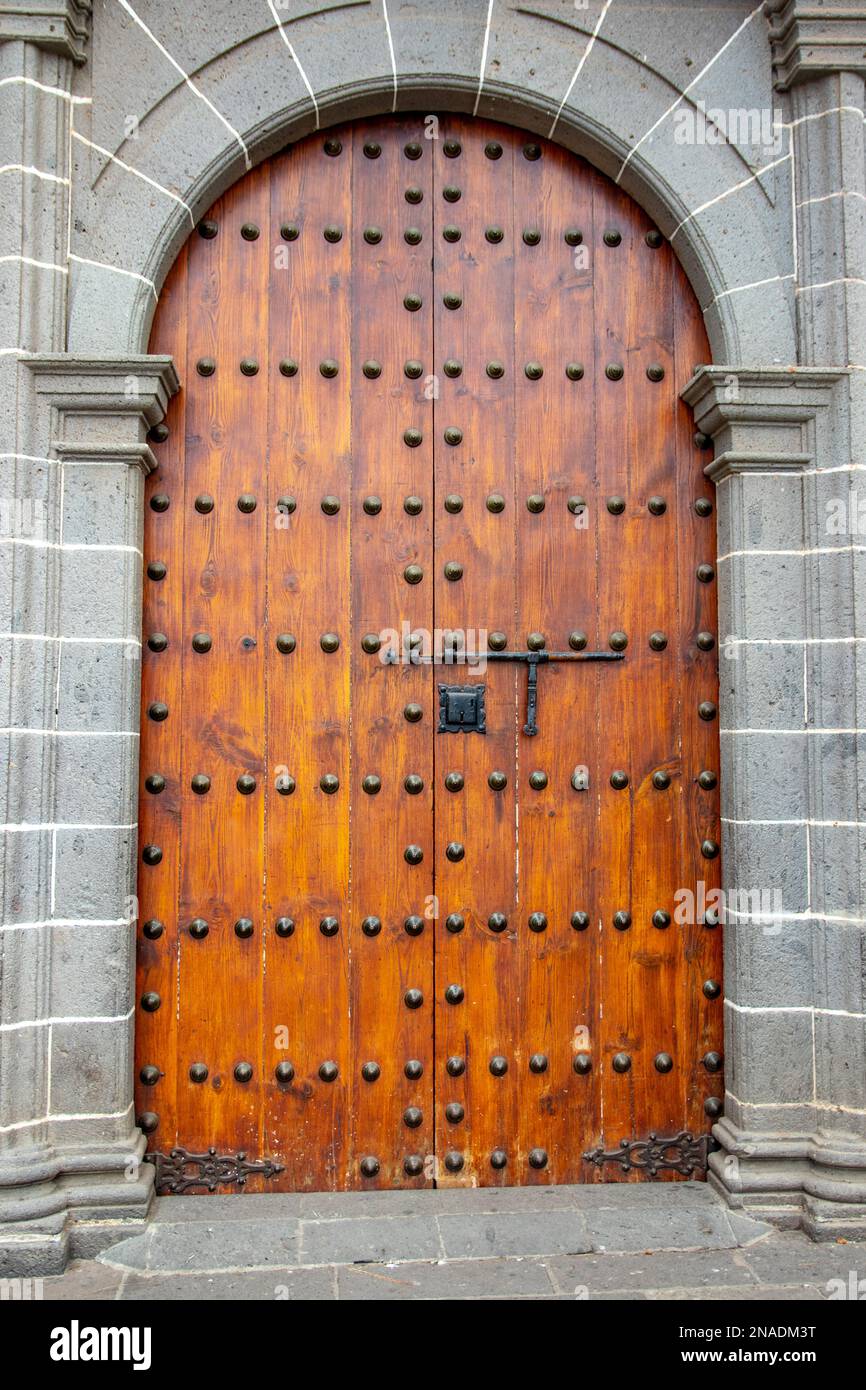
430 386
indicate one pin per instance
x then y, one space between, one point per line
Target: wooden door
429 407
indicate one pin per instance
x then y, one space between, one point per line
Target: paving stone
376 1239
514 1233
660 1228
763 1293
226 1245
447 1279
799 1258
694 1269
279 1285
83 1279
246 1206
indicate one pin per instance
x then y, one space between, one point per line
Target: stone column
793 1138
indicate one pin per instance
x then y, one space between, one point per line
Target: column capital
810 40
59 26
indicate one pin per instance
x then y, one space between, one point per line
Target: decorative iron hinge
682 1152
180 1171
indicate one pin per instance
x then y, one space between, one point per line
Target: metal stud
371 1071
455 1066
497 922
201 642
244 928
498 1159
454 1161
148 1121
451 233
580 920
712 989
329 926
290 231
149 1076
661 780
707 710
657 641
205 366
497 641
574 371
451 193
412 438
371 784
493 149
413 784
372 369
152 855
538 1063
582 1064
454 994
249 231
454 782
538 781
453 571
703 506
246 784
453 435
198 929
413 998
329 367
413 236
333 146
622 920
656 506
249 366
617 641
573 237
284 927
654 239
535 503
160 502
153 928
413 150
707 780
703 441
494 235
532 152
150 1001
619 780
413 1070
711 917
157 641
532 236
705 641
454 923
332 233
713 1107
414 925
453 503
655 371
705 573
371 642
413 1165
413 574
413 1117
329 642
621 1062
414 194
372 235
371 926
285 784
614 371
413 713
452 300
497 781
155 783
535 641
577 641
713 1061
452 368
534 371
538 1158
284 1072
157 570
709 849
454 852
537 922
207 230
329 1071
413 854
451 149
615 505
454 1113
661 919
204 503
200 783
289 367
498 1066
413 369
246 503
329 783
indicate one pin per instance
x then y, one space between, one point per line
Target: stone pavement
665 1241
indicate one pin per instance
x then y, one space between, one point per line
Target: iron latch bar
532 661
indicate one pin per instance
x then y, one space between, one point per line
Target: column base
812 1182
60 1205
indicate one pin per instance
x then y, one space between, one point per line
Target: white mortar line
49 1022
819 115
13 827
735 188
65 922
794 1104
103 265
15 352
115 159
773 641
53 871
798 473
764 917
790 1009
37 265
788 732
36 173
295 59
120 641
739 289
705 69
42 87
64 1119
484 48
37 544
390 49
825 197
828 284
74 733
125 5
832 824
795 237
810 550
579 69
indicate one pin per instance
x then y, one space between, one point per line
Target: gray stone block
280 1286
92 970
840 966
25 955
379 1239
99 685
764 776
770 859
198 1245
693 1269
763 687
94 873
90 1067
769 1057
769 961
450 1279
514 1233
840 1064
764 596
637 1228
98 591
26 856
100 504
